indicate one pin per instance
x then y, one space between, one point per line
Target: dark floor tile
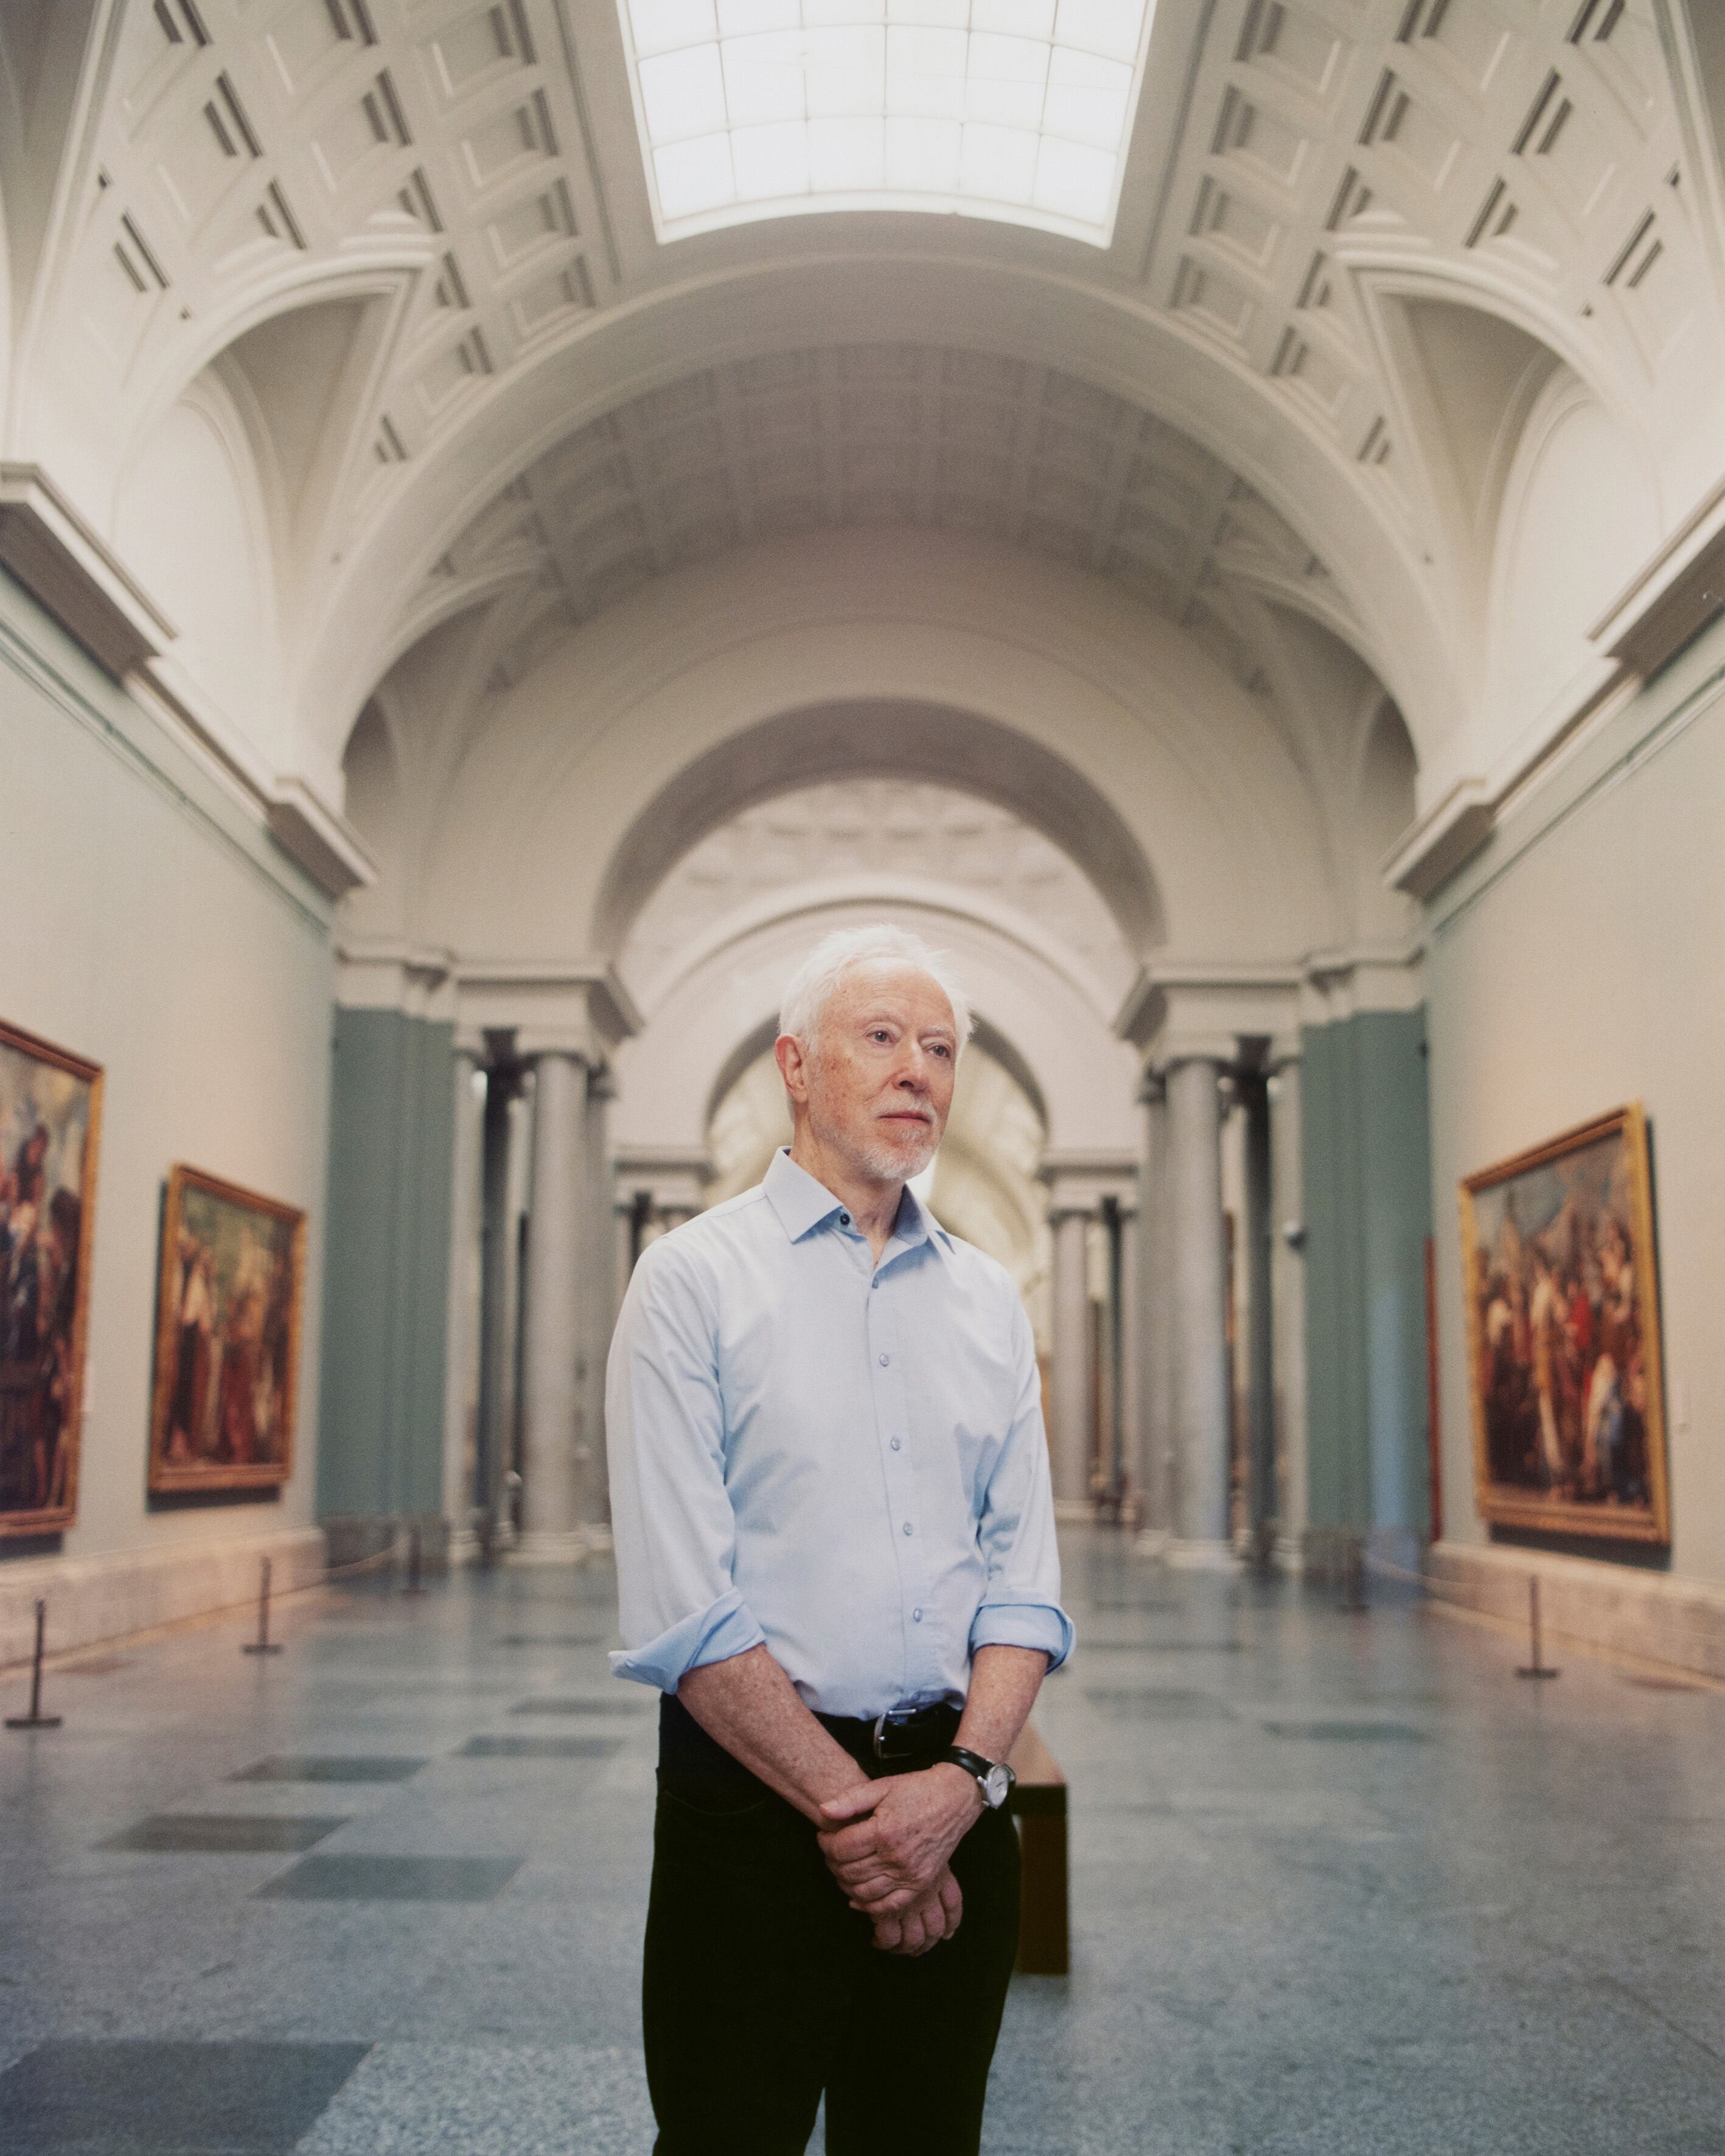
215 1834
354 1768
577 1706
595 1639
392 1879
1144 1703
538 1747
1349 1732
166 2099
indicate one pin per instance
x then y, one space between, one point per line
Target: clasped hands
888 1843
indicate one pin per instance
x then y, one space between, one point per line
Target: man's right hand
925 1922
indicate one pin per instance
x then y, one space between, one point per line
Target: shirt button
916 1616
895 1444
844 1219
908 1529
885 1360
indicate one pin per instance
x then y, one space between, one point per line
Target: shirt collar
802 1203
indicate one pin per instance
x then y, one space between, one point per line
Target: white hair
810 987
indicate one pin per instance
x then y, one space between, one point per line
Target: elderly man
836 1559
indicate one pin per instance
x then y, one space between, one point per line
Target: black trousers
762 1989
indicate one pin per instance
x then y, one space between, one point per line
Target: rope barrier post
263 1645
415 1585
1354 1576
1536 1668
36 1719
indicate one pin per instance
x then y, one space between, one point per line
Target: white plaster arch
190 500
799 747
669 1075
1201 779
1028 310
1557 563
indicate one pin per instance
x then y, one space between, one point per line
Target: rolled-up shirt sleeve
1021 1604
674 1531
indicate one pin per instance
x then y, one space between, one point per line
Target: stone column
1074 1388
1155 1456
1287 1290
552 1335
1198 1309
1259 1341
1129 1317
496 1259
597 1304
462 1319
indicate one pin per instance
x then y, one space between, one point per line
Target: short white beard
884 1163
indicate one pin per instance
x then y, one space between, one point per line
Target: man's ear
792 1060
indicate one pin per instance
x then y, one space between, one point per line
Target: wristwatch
994 1777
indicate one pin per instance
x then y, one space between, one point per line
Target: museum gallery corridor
1340 1883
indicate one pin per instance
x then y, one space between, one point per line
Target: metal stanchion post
263 1645
36 1719
1354 1599
1536 1668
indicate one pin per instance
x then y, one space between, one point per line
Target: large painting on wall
227 1338
1562 1312
50 1120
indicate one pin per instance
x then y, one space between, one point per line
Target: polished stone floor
1340 1884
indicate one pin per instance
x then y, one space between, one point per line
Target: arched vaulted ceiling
885 435
1246 391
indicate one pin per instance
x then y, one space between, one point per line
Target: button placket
899 1469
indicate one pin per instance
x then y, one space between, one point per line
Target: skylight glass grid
1011 109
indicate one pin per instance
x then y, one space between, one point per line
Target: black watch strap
981 1770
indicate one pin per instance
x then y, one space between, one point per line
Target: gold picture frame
50 1136
230 1285
1566 1380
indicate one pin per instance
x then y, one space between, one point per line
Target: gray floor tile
576 1706
489 2100
1146 1703
538 1747
392 1879
140 2098
1507 1940
213 1833
353 1768
1348 1732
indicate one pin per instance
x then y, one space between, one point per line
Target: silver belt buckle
892 1717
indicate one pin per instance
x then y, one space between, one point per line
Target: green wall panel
387 1265
1368 1166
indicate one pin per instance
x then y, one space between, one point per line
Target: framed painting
1563 1324
227 1338
50 1123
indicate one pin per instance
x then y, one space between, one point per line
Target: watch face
996 1785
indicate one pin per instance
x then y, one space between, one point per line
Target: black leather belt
901 1733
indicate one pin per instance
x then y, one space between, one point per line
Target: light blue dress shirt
843 1460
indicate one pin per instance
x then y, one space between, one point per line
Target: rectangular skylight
1011 109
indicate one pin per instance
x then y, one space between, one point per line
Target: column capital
1077 1183
1221 1048
581 1010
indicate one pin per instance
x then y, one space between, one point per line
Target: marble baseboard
1657 1617
106 1598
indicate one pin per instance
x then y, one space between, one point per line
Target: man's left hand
887 1842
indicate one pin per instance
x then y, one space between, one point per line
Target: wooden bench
1038 1803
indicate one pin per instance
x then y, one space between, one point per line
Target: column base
550 1546
599 1539
1200 1557
1073 1510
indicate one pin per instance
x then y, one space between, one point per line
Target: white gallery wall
1576 966
150 927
